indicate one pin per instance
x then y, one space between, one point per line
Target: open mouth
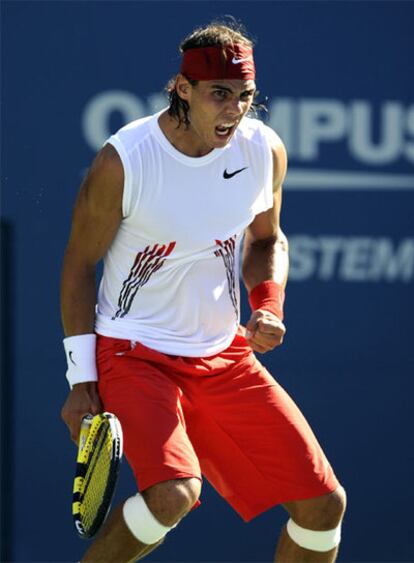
224 129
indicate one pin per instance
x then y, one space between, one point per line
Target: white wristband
81 358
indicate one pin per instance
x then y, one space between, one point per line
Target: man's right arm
96 219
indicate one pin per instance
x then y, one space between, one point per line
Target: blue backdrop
339 78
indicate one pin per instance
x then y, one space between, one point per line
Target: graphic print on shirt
227 252
146 263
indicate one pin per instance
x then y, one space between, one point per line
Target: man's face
216 108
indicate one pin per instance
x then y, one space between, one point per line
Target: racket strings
96 478
98 461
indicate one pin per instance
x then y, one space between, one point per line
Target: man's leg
168 502
318 514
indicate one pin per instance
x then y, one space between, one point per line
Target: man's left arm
265 266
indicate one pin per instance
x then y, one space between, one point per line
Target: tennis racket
97 469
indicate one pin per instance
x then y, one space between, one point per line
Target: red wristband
268 295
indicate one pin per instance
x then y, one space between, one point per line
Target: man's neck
183 139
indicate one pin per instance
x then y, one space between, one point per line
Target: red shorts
223 417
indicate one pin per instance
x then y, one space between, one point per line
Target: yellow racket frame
89 430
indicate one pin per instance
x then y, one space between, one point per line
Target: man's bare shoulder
107 161
103 186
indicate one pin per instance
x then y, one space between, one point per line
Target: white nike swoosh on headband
238 61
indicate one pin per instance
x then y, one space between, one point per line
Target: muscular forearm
78 297
78 316
265 260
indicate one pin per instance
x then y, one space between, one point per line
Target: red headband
215 63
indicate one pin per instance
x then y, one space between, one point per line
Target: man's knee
315 524
169 501
319 513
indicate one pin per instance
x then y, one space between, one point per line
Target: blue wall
339 77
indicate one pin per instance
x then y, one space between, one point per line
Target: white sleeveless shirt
171 275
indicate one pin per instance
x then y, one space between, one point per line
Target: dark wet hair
214 34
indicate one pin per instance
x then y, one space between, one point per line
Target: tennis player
166 204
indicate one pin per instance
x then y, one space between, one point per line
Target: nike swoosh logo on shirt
228 175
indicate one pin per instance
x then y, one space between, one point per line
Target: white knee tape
314 540
141 522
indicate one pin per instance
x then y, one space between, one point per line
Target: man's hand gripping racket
97 468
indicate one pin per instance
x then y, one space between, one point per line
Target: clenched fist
264 331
